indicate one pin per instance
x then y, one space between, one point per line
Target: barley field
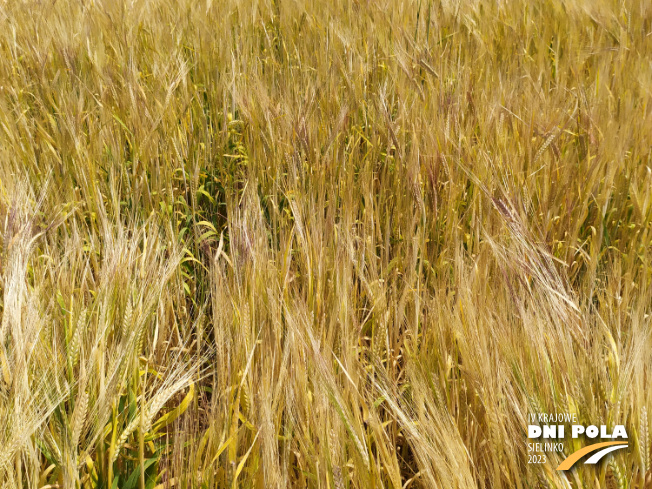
323 244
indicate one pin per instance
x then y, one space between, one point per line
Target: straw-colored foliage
322 244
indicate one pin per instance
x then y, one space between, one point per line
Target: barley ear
615 477
79 418
127 319
338 481
76 340
644 442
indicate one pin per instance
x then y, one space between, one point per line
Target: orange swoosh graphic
574 457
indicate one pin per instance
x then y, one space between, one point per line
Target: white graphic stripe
596 457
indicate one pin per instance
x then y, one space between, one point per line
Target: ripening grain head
321 244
